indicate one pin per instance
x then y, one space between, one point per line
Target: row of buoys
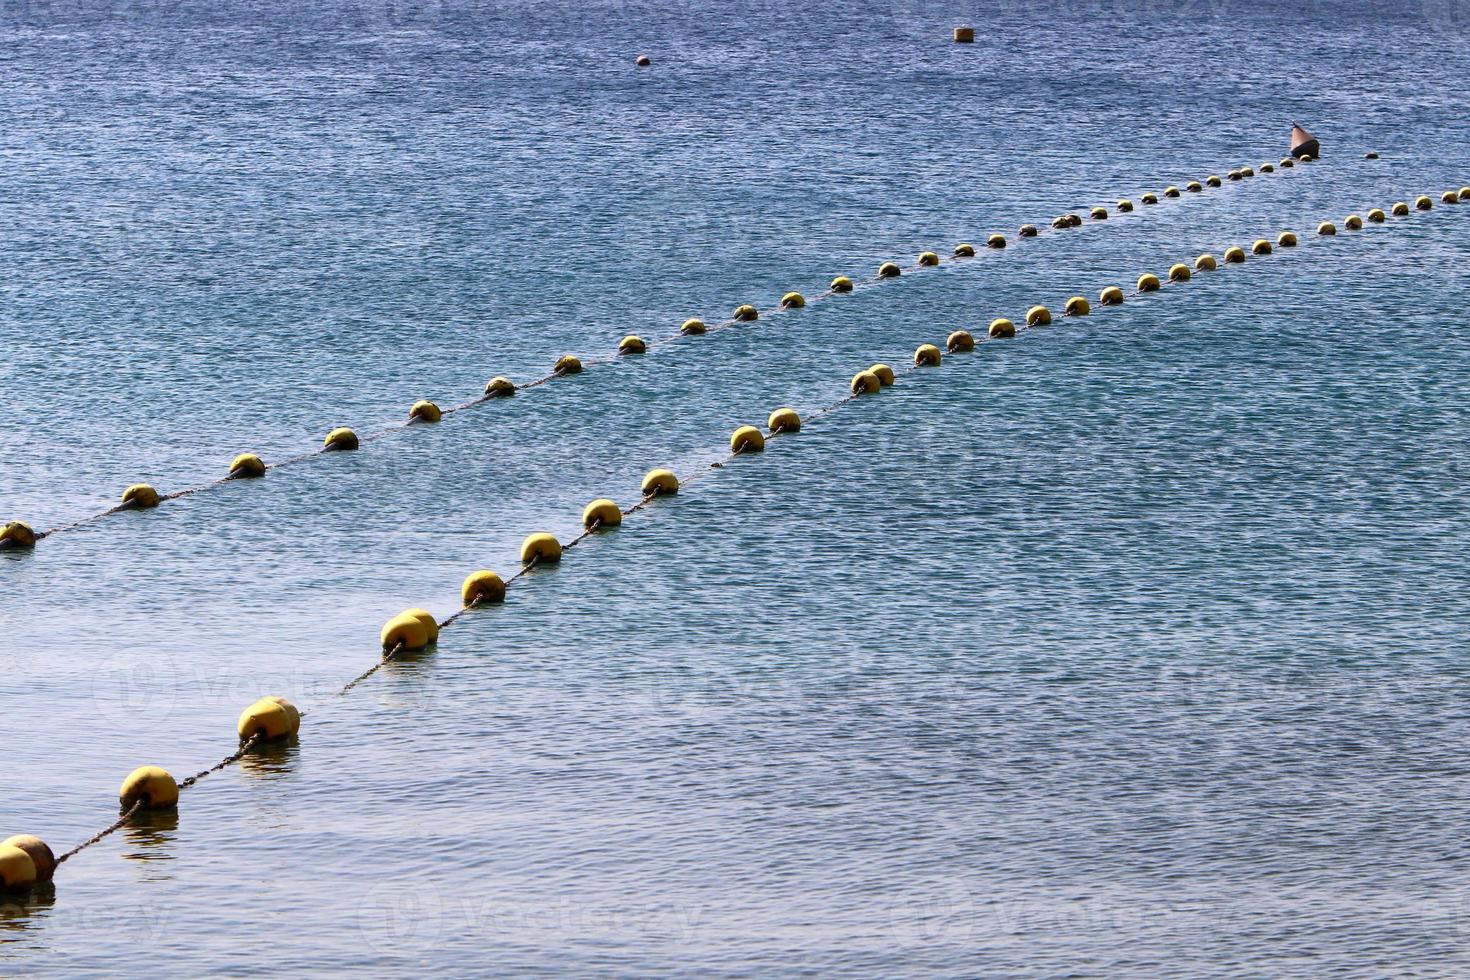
19 535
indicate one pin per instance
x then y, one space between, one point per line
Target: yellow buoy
270 718
602 513
1327 228
745 313
1074 220
1377 216
1235 175
632 344
18 872
927 355
1286 163
1028 231
1353 223
1038 316
427 411
1125 206
928 258
1179 272
1247 172
140 496
1423 203
541 548
1204 263
747 439
1267 168
964 35
786 420
1171 192
1098 214
1305 158
793 301
885 373
1260 247
1001 328
1449 197
567 364
499 387
964 250
1213 180
38 851
1077 306
17 534
694 326
340 441
431 625
1061 221
959 342
1111 296
151 786
889 270
1194 187
404 630
1234 255
482 588
1150 198
841 284
1287 239
1465 194
660 483
996 240
246 466
1399 209
1148 283
865 383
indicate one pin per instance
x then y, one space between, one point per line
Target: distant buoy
745 313
1125 206
427 411
632 344
786 420
1111 296
1399 209
499 388
1305 158
959 341
1001 328
841 284
1377 216
151 786
660 483
1353 223
1179 272
747 439
964 250
889 270
1234 255
404 630
246 466
18 872
340 441
1204 263
995 241
1028 231
1235 175
865 383
37 850
642 61
1150 198
269 718
17 535
1261 247
1464 194
1099 214
964 35
885 374
541 548
927 356
1077 306
1194 187
1247 172
1075 220
1171 192
1449 197
1038 316
1327 228
482 588
1268 168
1286 163
928 259
1213 180
1061 222
1423 203
139 496
1370 155
793 301
601 513
1148 283
693 327
1287 239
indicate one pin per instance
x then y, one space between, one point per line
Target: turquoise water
1130 647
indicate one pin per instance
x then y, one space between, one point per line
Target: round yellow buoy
1179 272
927 355
841 284
786 420
499 388
542 548
1150 198
1213 180
1171 192
632 344
1027 231
1148 283
1423 203
566 364
38 851
270 718
745 313
17 534
964 35
1377 216
1061 221
1111 296
1098 214
602 513
1234 255
959 342
1204 263
18 872
1465 193
996 240
1353 223
1305 158
660 483
1267 168
1194 187
865 383
1399 209
1074 220
1286 163
793 301
1247 172
151 786
747 439
246 466
1125 206
140 496
1077 306
482 588
427 411
885 373
1001 328
1327 228
964 250
1260 247
928 258
889 270
340 441
1235 175
1038 316
1287 239
694 326
1449 197
404 630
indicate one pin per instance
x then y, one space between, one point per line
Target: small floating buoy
1260 247
841 284
340 441
1235 175
964 250
151 786
1001 328
1125 206
542 548
1028 231
786 420
1286 163
1038 316
1194 187
1171 192
927 355
38 851
959 342
1213 180
18 535
1287 239
1111 296
482 588
430 624
632 344
1353 223
499 388
996 240
642 61
1465 194
889 270
567 364
1449 197
246 466
1305 158
745 313
1205 263
793 301
1268 168
601 513
1327 228
693 327
1061 222
270 718
18 872
1099 214
1234 255
404 630
427 411
1077 306
1247 172
865 383
747 439
1179 272
1399 209
1148 283
1423 203
885 374
660 483
1074 220
1150 198
928 259
1370 155
964 35
1376 216
139 496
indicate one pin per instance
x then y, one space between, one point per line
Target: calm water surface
1132 647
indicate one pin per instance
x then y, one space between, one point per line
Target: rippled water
1133 646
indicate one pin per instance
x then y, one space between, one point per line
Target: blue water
1131 647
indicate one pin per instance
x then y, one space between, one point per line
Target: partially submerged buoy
1303 143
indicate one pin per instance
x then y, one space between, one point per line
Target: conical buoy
1304 143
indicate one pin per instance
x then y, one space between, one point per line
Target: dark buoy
642 61
1304 143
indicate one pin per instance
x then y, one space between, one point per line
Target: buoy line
19 535
26 860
